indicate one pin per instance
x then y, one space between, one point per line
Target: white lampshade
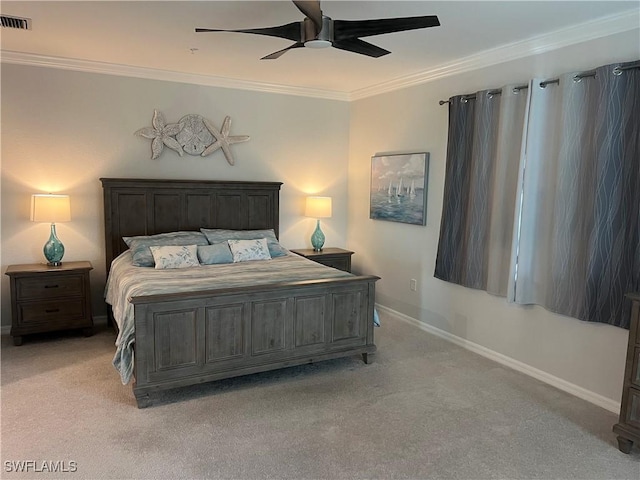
50 208
318 207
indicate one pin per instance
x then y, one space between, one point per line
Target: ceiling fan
320 31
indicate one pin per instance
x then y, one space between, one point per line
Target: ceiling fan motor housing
324 38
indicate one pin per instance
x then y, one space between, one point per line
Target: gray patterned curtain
579 240
480 186
542 194
451 261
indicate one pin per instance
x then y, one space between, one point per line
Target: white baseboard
583 393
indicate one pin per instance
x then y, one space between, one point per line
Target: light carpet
424 408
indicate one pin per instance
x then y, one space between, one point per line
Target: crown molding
89 66
602 27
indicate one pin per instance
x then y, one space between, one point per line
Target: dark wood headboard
146 207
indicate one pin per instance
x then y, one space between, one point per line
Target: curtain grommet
617 71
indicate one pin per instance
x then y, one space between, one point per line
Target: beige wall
410 120
63 130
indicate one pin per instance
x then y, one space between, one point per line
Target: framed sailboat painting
399 188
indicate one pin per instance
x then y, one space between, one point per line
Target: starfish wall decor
192 134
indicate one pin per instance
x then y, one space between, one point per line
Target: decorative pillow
175 256
214 254
246 250
139 246
219 235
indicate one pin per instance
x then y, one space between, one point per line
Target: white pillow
245 250
175 256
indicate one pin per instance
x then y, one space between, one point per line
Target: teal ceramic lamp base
53 249
317 239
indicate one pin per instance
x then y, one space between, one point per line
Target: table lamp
51 208
318 207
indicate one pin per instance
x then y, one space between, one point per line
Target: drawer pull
52 310
51 286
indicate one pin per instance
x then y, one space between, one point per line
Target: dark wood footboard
186 339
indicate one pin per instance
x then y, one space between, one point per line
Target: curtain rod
578 76
592 73
497 91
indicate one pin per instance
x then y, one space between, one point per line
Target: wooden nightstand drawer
59 313
49 298
628 427
49 286
633 408
341 263
635 369
331 257
635 313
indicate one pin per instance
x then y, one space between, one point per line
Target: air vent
16 22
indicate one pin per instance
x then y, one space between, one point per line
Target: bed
189 337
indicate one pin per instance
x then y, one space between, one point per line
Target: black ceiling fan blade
311 9
279 53
291 31
360 46
366 28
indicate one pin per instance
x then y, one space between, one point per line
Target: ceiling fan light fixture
317 43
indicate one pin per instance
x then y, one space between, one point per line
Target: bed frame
189 338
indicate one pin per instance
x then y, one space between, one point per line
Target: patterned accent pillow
246 250
139 246
219 235
214 254
175 256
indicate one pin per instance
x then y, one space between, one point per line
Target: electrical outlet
413 284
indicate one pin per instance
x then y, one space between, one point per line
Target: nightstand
628 427
331 257
45 299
